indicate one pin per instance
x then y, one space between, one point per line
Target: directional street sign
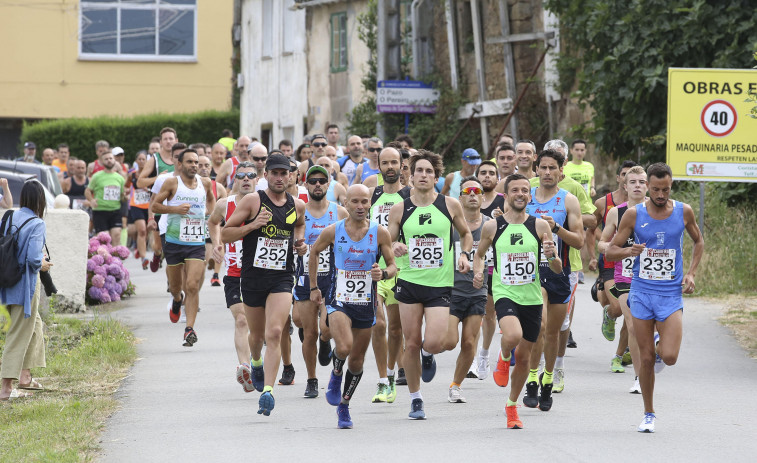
405 96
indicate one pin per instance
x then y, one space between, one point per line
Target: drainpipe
449 14
480 72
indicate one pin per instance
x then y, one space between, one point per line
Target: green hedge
132 133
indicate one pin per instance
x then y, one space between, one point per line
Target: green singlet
381 204
161 166
517 248
427 232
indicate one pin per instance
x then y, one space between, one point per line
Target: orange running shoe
502 371
513 421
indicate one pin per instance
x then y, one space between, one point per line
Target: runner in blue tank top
358 243
658 277
319 214
562 212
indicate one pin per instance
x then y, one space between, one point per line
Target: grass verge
740 316
86 361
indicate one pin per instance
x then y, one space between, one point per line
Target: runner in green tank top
515 237
421 227
383 197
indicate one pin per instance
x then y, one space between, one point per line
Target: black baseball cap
277 161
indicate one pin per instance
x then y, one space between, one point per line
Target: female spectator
24 343
139 200
304 158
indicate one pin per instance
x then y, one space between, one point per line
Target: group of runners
365 250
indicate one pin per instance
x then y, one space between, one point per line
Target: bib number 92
353 286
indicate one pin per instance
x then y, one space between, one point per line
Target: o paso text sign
405 96
710 133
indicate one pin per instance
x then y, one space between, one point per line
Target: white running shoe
455 395
647 425
636 388
483 368
659 365
472 371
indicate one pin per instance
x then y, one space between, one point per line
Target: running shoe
580 278
559 380
531 399
455 395
155 262
571 343
244 377
175 313
287 375
545 398
266 403
311 390
502 371
647 425
636 388
428 368
473 370
483 367
626 359
513 421
381 393
392 394
145 264
324 352
334 391
344 421
608 326
215 281
258 378
616 366
136 253
401 380
416 410
190 337
659 365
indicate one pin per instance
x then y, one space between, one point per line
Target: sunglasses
318 181
375 150
293 168
261 159
319 145
241 175
471 190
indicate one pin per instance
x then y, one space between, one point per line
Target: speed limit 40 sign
710 136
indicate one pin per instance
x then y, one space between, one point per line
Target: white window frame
118 5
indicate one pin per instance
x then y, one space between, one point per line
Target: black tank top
280 228
77 191
497 203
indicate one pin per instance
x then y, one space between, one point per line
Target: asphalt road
184 404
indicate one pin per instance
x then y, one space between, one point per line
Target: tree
617 55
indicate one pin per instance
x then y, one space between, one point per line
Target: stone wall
67 239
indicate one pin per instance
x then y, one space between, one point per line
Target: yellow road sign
711 135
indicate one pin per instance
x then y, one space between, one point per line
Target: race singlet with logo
555 208
270 248
233 256
381 204
624 268
516 269
659 268
188 229
353 261
313 228
427 232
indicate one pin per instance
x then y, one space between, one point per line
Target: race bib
141 197
353 286
627 266
517 268
657 264
426 252
192 230
233 254
112 193
381 214
543 259
489 259
271 254
323 261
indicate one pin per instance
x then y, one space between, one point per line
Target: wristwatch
556 228
384 275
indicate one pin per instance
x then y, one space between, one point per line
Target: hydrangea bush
107 277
